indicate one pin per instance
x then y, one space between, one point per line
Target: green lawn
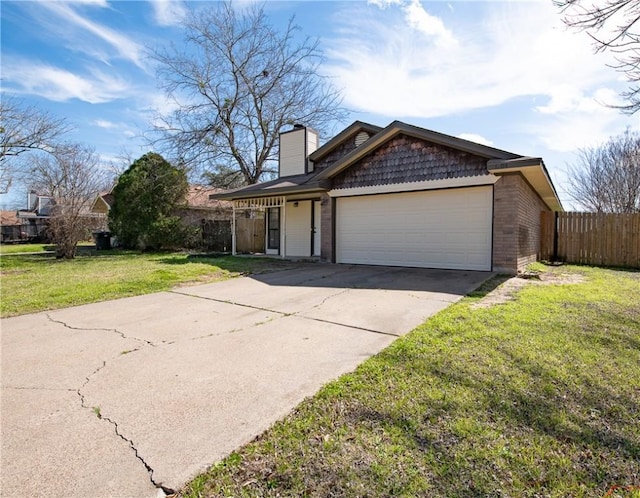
30 283
537 397
21 248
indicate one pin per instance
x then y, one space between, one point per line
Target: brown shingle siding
338 153
405 159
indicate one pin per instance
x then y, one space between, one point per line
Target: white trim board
466 181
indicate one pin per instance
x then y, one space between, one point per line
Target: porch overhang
270 190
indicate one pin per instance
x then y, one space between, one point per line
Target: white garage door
433 229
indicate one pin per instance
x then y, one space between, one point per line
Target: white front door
298 229
316 228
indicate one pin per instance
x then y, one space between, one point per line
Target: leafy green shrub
145 199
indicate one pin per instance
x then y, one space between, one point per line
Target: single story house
401 196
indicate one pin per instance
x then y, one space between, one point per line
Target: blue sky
503 73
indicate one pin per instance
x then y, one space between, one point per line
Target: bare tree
613 26
73 177
607 178
238 85
24 128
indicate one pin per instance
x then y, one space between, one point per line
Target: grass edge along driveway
539 396
40 282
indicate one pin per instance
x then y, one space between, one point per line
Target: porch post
233 228
283 221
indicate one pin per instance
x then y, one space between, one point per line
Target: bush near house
144 202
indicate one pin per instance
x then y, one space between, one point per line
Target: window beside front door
273 228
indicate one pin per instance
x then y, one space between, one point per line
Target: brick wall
529 209
516 224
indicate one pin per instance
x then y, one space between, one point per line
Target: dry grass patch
507 290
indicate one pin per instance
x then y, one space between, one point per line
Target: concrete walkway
133 397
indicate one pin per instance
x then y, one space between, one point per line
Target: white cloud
99 3
474 137
122 128
569 98
575 119
419 19
383 4
168 12
501 52
416 17
25 77
125 47
107 125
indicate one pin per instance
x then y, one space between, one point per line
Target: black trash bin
103 240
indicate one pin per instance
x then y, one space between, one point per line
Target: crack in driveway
116 331
116 429
30 388
285 314
96 410
226 301
355 327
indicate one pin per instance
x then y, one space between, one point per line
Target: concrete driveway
133 397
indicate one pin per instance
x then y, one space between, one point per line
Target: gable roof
498 162
104 198
398 127
350 131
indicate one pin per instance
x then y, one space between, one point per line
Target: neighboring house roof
102 203
403 167
9 218
31 215
199 197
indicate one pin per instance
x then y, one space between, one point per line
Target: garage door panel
434 229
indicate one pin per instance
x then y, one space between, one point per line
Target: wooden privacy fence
606 239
